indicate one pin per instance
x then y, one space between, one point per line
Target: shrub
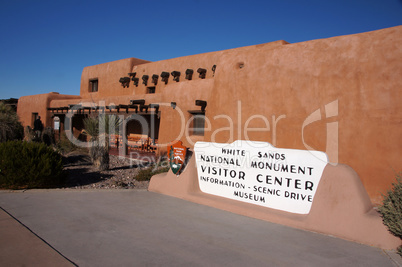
146 173
29 134
26 165
10 126
101 126
64 145
391 209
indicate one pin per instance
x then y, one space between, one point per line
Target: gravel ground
122 172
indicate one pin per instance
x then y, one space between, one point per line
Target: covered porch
138 132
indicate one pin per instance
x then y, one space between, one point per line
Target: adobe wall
39 104
339 95
108 75
184 92
357 78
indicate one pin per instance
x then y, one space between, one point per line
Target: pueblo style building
340 95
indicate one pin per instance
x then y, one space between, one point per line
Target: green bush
26 165
64 145
10 126
391 209
146 173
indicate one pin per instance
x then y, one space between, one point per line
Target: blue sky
44 45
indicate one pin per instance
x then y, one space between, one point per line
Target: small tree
391 209
99 128
10 126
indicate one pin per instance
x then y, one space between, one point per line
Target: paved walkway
140 228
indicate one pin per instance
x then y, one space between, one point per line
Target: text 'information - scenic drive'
261 174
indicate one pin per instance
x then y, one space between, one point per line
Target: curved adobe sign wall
259 173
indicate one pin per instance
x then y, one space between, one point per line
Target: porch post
123 148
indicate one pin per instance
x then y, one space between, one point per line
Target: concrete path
140 228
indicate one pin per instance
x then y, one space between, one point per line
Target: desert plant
99 128
91 127
145 174
48 136
391 209
29 165
10 126
99 155
64 145
29 134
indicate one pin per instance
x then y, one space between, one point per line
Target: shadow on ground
81 172
122 172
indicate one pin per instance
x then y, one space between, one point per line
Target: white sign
259 173
56 123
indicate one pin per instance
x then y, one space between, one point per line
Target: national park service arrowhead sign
261 174
177 156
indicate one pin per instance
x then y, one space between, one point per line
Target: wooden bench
137 141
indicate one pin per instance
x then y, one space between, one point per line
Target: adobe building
340 95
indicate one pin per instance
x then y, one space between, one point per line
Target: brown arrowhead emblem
177 156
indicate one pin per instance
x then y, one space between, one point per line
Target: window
93 85
151 90
197 124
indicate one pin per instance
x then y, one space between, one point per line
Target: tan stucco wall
39 104
362 72
354 81
108 75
